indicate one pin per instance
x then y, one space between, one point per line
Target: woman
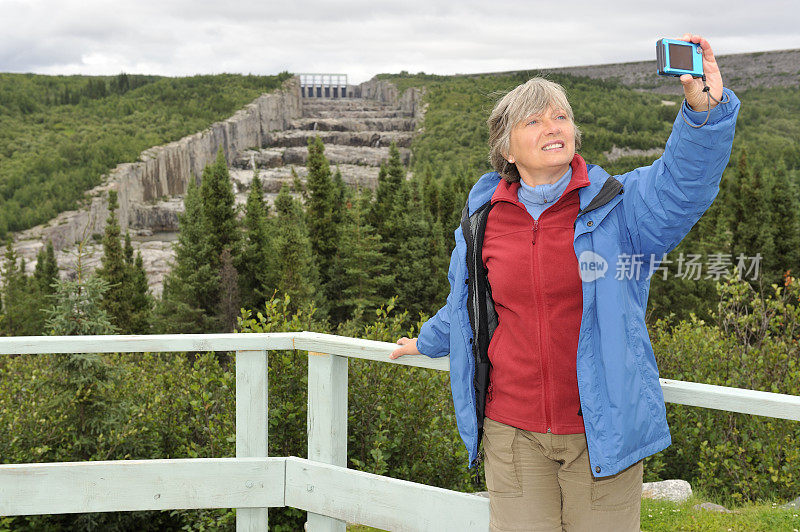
550 361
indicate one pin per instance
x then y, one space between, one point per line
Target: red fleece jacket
536 287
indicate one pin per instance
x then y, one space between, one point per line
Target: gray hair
530 98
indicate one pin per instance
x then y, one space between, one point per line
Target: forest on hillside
330 258
60 134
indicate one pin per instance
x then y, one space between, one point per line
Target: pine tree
137 291
362 273
142 301
191 288
46 272
20 312
785 213
298 277
116 301
219 210
323 212
45 276
86 380
228 292
449 208
416 253
128 249
391 177
430 191
257 264
752 200
78 307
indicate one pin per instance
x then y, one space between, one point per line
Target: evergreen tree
192 301
78 307
46 273
228 292
20 312
430 191
45 276
449 208
416 253
323 212
114 271
128 249
298 277
191 288
142 301
219 212
218 209
785 213
257 264
361 270
137 291
752 200
85 393
391 177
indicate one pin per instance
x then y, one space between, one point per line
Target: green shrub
753 346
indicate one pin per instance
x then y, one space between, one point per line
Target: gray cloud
362 38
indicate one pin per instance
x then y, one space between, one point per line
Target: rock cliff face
410 102
165 171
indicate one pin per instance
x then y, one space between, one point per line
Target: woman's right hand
408 346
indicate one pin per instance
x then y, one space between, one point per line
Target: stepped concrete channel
270 134
357 134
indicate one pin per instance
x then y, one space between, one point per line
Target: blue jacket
641 215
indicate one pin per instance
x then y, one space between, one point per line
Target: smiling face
542 146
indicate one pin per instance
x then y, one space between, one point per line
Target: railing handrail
322 485
771 404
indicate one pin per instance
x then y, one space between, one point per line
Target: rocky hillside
780 68
270 133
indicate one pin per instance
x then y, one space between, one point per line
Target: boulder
669 490
792 505
711 507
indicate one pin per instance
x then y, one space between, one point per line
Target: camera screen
680 56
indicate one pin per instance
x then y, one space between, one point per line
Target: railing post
251 425
327 423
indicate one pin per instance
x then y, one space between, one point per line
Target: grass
664 516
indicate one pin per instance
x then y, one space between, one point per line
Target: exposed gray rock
670 490
261 158
792 505
615 153
711 507
156 217
353 124
165 171
299 137
273 178
778 68
346 155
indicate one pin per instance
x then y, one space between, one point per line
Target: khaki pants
543 482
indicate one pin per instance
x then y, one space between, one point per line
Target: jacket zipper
542 350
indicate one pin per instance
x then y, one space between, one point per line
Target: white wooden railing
252 482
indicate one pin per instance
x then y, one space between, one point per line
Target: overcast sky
363 38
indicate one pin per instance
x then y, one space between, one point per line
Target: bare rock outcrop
164 171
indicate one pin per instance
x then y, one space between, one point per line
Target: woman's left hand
693 87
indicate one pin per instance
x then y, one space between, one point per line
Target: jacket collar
486 186
506 191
